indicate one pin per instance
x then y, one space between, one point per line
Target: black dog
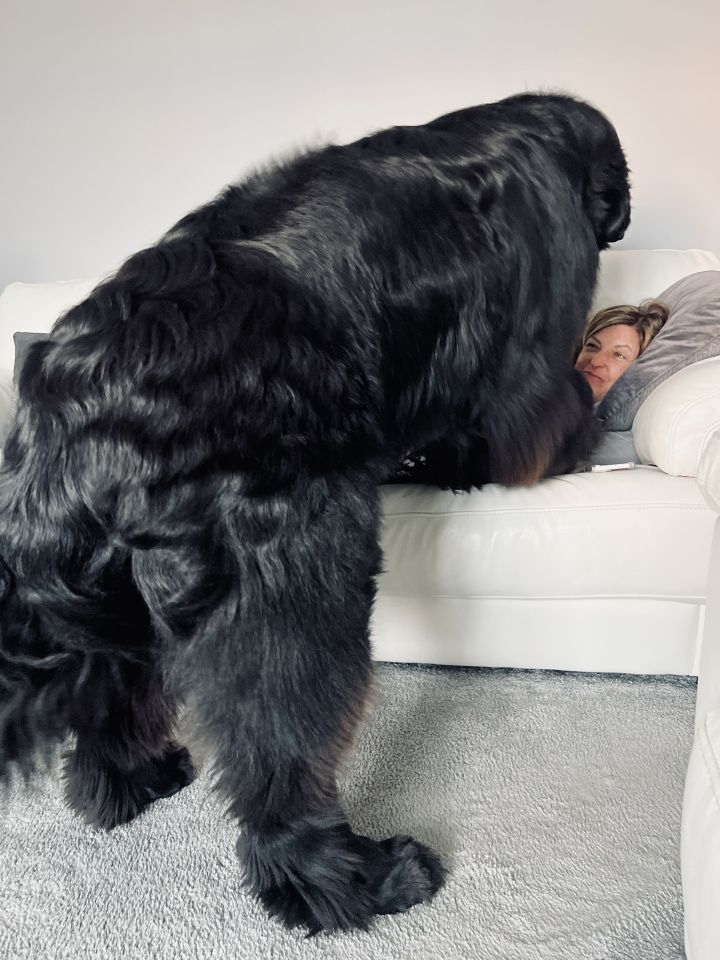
189 499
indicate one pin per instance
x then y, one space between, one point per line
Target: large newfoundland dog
189 499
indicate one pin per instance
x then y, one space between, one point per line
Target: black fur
189 499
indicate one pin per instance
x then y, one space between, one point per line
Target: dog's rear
179 525
36 684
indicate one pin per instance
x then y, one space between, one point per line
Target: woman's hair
648 319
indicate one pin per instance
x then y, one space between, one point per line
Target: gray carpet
554 800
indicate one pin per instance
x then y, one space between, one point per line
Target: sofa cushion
578 572
691 333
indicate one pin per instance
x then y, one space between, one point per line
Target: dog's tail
36 685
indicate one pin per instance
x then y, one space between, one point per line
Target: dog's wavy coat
189 498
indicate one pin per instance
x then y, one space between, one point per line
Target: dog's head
607 188
588 146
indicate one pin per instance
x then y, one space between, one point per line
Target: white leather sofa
600 572
589 571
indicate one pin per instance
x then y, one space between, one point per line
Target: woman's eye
621 356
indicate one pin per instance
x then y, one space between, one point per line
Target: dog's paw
322 876
415 875
106 796
166 776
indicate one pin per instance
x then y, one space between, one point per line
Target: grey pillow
22 345
613 448
691 333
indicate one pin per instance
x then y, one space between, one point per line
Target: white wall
118 117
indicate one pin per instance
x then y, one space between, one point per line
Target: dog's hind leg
125 755
74 659
275 674
114 702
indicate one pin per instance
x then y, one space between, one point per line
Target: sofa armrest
709 472
700 841
7 403
674 426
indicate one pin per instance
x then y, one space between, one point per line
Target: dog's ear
607 200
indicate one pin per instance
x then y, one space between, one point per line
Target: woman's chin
598 388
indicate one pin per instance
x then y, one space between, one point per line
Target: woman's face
606 356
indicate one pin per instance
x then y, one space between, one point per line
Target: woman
613 339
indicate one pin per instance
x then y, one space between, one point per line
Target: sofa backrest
630 276
626 276
33 308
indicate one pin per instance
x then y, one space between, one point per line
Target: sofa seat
589 571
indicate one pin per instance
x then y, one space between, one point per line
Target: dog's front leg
452 464
274 675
